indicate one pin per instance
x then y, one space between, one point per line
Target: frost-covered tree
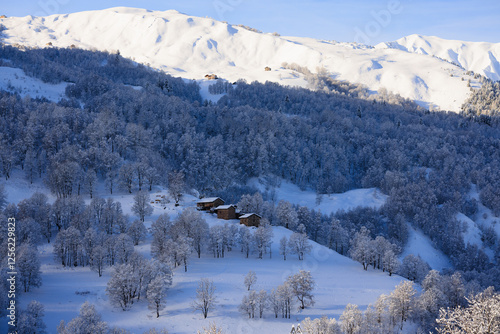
377 319
156 331
160 229
245 238
454 289
286 214
28 266
157 294
99 259
402 302
249 304
284 247
413 268
183 250
302 285
176 185
337 237
482 315
390 262
262 302
251 203
322 325
137 231
263 237
3 197
90 181
123 248
88 321
250 279
68 247
122 287
361 247
217 241
141 205
31 320
285 297
351 319
205 300
38 208
127 177
299 244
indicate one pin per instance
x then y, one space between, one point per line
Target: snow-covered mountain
192 47
480 57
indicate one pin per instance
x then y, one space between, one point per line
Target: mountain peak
192 47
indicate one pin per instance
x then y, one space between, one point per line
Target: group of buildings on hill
227 212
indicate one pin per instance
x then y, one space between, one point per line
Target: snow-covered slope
14 80
191 47
480 57
339 280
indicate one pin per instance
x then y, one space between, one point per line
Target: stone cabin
267 69
250 219
209 203
226 212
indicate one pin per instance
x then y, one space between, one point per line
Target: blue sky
368 21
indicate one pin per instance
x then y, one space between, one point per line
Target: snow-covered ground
339 279
480 57
326 204
420 245
191 47
14 80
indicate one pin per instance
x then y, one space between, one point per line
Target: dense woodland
132 127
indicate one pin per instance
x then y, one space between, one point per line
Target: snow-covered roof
224 207
246 215
209 200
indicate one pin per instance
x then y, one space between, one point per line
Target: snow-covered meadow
339 280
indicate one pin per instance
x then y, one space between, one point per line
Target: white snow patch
472 235
328 204
420 245
14 80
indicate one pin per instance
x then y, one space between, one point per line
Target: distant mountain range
191 47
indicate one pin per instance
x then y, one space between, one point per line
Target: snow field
339 280
14 80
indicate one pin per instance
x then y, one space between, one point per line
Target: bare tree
156 294
284 247
176 185
205 300
302 285
250 279
141 205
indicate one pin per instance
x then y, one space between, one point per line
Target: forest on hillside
132 127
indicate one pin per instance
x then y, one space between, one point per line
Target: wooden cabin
211 77
73 46
250 219
226 212
3 17
49 44
267 69
209 203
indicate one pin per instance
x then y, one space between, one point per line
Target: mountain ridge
191 47
480 57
